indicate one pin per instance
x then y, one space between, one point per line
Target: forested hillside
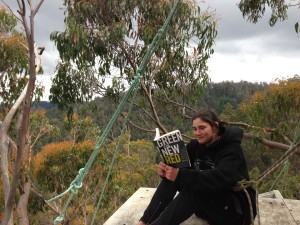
216 96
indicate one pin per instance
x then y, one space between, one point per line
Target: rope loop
58 219
241 186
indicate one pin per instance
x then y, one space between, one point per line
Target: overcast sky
253 52
243 51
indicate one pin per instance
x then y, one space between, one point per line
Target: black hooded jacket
216 169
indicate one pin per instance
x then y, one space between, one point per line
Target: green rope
114 157
58 219
77 183
283 171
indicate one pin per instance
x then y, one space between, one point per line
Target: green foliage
217 96
100 110
14 59
53 160
276 107
287 183
291 187
256 9
135 167
74 82
7 21
39 127
81 129
275 110
110 39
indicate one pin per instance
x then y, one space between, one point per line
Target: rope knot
76 184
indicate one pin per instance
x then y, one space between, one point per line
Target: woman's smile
204 132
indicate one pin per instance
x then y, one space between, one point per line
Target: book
172 148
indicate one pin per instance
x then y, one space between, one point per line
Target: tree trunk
22 205
4 145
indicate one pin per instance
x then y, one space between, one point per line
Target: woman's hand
166 171
161 169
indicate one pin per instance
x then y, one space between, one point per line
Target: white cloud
45 80
252 68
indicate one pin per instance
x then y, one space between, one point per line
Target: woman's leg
163 195
181 208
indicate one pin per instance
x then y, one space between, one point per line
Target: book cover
172 149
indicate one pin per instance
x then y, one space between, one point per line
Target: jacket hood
229 135
232 134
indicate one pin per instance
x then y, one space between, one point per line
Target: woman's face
204 132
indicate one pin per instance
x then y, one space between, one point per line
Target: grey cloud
234 30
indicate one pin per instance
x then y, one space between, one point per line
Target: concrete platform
273 210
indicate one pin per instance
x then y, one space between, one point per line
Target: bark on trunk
22 205
4 145
4 172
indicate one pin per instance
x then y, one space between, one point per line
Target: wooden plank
274 210
132 210
294 208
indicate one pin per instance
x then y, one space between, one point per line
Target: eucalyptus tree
254 10
104 43
14 63
18 72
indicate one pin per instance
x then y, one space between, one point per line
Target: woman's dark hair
209 117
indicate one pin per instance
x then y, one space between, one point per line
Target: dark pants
164 209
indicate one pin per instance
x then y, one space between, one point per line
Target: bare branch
176 103
35 191
157 68
37 8
22 8
265 130
139 127
145 111
152 106
11 113
127 56
270 144
245 125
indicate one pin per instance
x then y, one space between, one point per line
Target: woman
205 189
